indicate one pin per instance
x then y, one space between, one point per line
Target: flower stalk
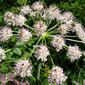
28 27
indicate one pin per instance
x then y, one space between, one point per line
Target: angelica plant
49 28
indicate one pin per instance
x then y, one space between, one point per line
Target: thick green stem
38 73
28 27
52 61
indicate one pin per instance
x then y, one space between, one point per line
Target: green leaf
15 9
9 54
3 68
17 51
21 2
53 4
25 54
19 43
45 82
13 38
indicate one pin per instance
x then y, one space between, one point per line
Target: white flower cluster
80 31
63 28
41 52
57 76
14 19
68 20
2 54
9 18
37 6
24 35
25 9
68 16
51 13
19 20
40 28
23 68
5 34
74 53
58 42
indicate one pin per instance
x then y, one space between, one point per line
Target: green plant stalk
74 40
25 2
38 73
53 27
65 47
50 35
68 36
45 41
54 31
15 31
52 61
28 27
36 44
33 19
8 50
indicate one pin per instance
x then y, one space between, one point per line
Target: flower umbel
9 18
5 34
41 52
19 20
25 9
58 42
37 6
23 68
57 76
74 53
24 35
40 28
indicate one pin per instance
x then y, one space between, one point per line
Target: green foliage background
77 7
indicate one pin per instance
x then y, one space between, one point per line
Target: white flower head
2 54
37 6
63 28
74 53
9 18
19 20
51 13
79 29
41 52
58 42
25 9
24 35
68 16
57 76
5 34
23 68
60 18
40 28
